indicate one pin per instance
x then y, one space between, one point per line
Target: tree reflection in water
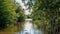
26 33
29 28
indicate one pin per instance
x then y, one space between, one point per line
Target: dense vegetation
7 13
20 12
46 15
10 13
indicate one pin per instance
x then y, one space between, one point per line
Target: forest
45 14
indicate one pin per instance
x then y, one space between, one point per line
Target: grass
12 29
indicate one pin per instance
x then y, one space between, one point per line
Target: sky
24 7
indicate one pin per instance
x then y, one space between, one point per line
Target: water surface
29 28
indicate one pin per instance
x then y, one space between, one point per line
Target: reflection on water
29 28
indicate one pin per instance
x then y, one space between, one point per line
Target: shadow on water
29 28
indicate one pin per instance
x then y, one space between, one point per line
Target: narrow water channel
29 28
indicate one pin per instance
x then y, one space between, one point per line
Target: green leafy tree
20 12
8 15
46 14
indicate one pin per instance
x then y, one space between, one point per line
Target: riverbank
12 29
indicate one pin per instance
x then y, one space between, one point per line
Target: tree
7 13
46 10
20 12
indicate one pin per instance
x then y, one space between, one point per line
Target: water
29 28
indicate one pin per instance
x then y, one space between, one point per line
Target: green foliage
46 15
7 13
20 12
